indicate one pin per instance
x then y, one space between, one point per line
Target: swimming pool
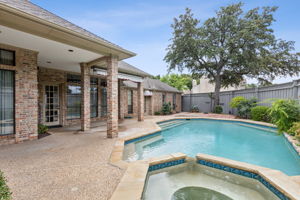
244 142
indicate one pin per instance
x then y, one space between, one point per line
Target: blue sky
144 26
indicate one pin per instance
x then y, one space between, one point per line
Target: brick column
140 101
85 97
112 97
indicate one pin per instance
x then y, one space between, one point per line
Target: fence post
295 90
257 93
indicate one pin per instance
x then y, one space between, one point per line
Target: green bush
5 193
243 106
156 113
260 113
42 128
284 113
218 109
166 109
235 102
295 129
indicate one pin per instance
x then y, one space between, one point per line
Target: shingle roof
27 7
125 67
152 84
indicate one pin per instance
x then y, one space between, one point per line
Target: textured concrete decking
68 164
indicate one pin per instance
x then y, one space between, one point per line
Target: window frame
72 118
130 105
14 57
14 102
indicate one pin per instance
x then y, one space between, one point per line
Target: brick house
55 73
155 94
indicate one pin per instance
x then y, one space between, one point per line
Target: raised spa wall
132 184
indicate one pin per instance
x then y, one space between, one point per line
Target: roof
152 84
127 68
27 7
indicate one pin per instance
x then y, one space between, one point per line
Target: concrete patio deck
69 164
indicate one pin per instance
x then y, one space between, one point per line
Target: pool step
258 127
171 124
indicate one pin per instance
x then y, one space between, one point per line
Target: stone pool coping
132 184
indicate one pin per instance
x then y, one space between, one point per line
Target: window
145 104
94 81
72 78
103 102
130 101
73 102
7 99
174 101
163 99
7 57
94 101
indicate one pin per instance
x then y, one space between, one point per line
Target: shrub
295 129
260 113
166 108
5 193
235 102
218 109
195 109
284 113
42 129
156 113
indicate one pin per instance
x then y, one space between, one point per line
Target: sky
144 26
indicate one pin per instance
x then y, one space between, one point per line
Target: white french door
51 117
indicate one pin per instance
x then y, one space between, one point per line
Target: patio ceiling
52 54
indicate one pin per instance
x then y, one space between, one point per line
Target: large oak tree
231 46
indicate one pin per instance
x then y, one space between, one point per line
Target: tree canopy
179 81
231 46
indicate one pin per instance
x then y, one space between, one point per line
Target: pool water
220 138
188 193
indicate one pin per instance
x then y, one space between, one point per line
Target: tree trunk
217 91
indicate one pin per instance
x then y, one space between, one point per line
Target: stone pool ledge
270 178
132 184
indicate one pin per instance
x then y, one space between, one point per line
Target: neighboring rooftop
152 84
125 67
27 7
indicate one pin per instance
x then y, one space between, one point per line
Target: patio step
171 124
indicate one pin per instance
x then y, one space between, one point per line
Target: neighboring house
55 73
155 94
205 86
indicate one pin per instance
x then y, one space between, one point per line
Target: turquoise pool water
225 139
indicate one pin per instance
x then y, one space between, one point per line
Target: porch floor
69 164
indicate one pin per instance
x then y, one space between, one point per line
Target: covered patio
50 55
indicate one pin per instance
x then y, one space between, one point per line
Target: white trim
121 75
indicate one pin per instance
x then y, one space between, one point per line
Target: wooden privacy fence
204 101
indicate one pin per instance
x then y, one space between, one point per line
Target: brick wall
124 101
48 76
26 95
156 104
